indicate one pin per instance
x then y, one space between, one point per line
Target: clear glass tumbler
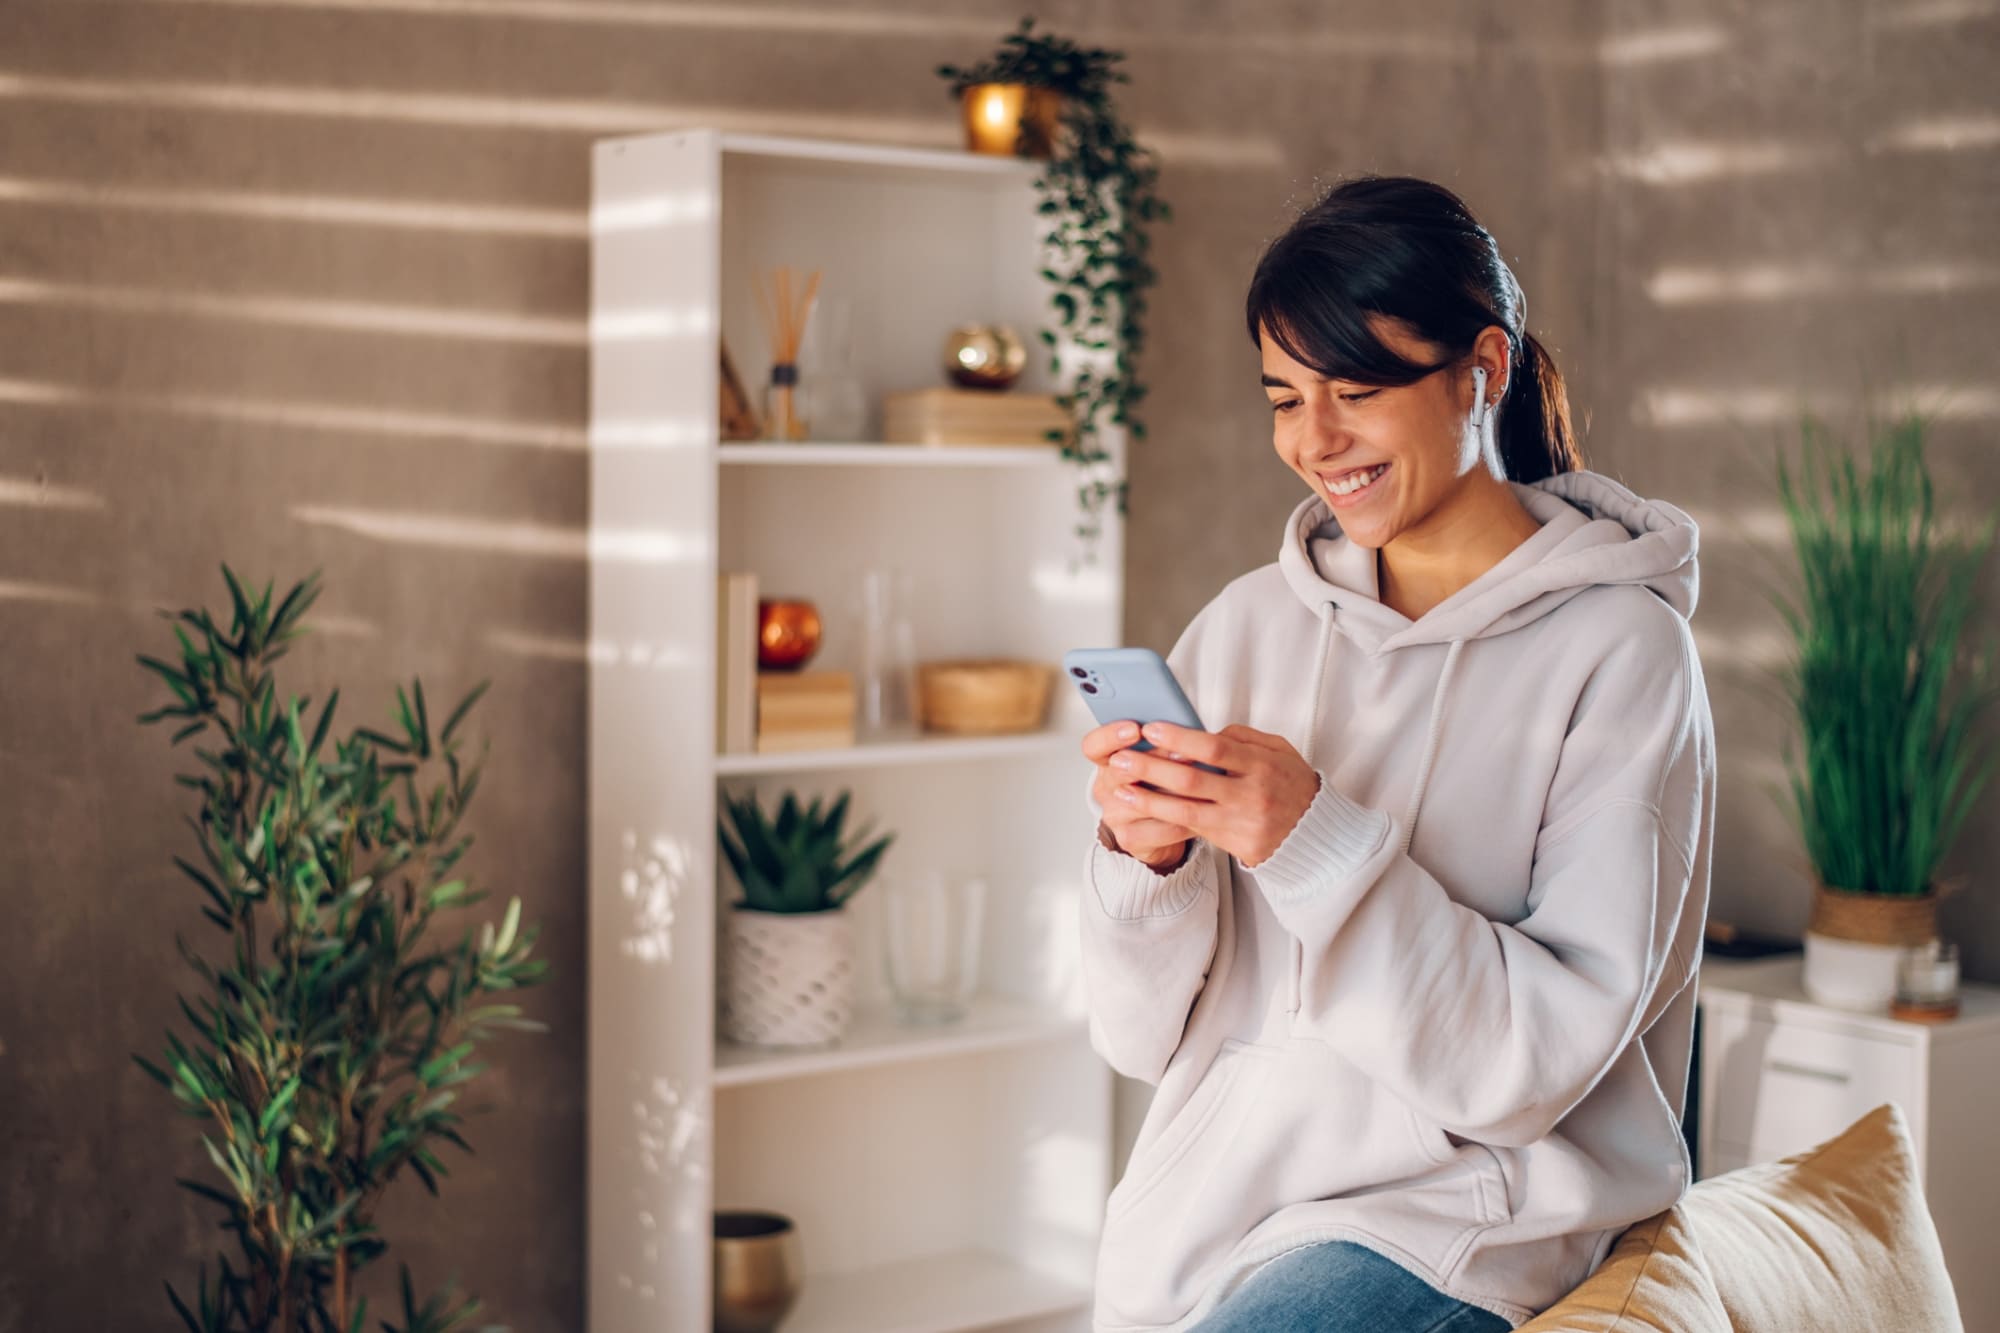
931 924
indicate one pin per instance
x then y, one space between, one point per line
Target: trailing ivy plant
1098 193
333 1029
1886 698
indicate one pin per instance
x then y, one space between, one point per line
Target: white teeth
1349 485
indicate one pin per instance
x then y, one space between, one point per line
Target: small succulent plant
800 863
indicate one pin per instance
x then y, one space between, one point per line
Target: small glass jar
1927 982
831 399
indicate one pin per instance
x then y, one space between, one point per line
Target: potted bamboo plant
787 961
1887 695
333 1030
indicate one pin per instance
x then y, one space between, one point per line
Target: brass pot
757 1270
1011 119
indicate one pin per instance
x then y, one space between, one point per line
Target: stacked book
736 663
804 710
947 415
770 712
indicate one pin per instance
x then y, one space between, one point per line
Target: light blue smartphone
1132 685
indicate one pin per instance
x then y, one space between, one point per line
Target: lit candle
993 116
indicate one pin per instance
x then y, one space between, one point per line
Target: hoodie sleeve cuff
1128 889
1331 841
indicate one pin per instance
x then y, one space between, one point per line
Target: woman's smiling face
1384 457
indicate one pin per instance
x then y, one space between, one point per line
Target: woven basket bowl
983 696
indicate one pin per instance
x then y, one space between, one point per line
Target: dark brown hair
1409 249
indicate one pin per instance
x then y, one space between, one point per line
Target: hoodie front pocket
1482 1162
1283 1125
1150 1166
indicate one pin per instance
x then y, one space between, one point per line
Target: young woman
1412 978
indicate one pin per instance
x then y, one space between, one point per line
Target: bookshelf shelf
941 1293
947 1178
876 1038
911 749
812 454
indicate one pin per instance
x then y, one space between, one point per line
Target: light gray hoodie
1450 1016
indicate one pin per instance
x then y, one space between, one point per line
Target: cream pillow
1837 1236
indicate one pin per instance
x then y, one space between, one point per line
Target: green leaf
277 1105
508 926
187 1315
429 1071
386 742
465 706
423 719
236 596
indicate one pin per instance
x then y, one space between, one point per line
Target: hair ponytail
1410 250
1533 428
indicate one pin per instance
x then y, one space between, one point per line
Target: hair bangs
1312 315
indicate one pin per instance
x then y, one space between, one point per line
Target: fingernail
1127 733
1121 761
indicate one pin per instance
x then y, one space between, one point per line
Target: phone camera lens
1088 688
1078 672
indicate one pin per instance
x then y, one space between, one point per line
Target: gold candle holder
1011 119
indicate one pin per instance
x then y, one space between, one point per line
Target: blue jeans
1338 1286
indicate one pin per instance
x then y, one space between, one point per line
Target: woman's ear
1490 351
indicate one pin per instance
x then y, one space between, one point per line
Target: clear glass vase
888 682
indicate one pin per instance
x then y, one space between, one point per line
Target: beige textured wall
300 283
1802 214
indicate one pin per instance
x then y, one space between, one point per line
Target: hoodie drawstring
1430 730
1430 744
1297 971
1319 679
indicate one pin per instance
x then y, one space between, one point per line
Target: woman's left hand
1246 810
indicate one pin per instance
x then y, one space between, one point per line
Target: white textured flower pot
787 977
1850 974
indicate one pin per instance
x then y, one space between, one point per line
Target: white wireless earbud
1479 403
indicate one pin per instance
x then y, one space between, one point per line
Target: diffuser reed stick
785 317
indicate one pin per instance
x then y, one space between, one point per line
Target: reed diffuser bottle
785 317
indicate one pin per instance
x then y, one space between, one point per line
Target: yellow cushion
1837 1236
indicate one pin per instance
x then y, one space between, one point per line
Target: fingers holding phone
1157 842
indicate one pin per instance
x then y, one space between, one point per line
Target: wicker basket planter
1854 940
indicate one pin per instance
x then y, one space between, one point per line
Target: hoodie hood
1593 531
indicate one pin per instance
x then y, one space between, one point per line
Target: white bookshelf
942 1178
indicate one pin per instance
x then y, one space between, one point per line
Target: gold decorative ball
984 356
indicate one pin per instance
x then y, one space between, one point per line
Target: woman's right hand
1156 842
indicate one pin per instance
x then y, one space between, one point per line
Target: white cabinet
952 1178
1780 1073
